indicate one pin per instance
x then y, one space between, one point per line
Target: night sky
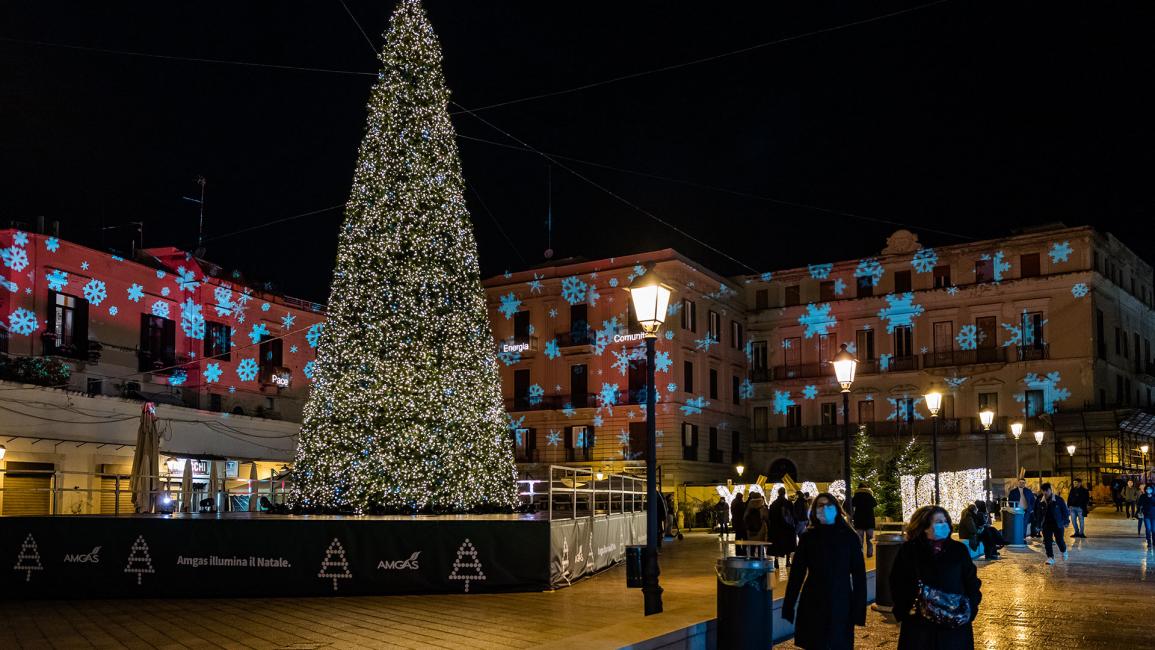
956 119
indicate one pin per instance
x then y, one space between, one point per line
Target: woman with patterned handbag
935 586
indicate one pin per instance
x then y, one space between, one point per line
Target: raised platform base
245 555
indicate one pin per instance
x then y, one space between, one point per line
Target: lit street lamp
651 299
934 403
1017 432
1143 448
987 417
740 468
844 367
1071 453
1039 442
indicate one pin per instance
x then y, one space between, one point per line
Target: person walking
738 518
1078 502
1117 493
801 511
1139 511
1053 518
1145 504
757 529
783 531
722 516
1023 497
931 567
826 592
1130 496
863 515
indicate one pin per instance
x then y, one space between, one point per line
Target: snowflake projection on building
515 423
112 310
309 368
623 438
535 284
224 301
313 335
160 308
8 284
782 401
999 265
1079 290
869 268
212 373
662 362
765 277
266 306
637 272
597 421
1060 252
20 238
621 361
95 292
57 280
292 349
135 292
259 331
553 312
186 279
704 344
722 293
22 321
817 320
1022 334
15 258
593 295
900 310
192 321
810 392
608 397
534 395
1049 386
573 290
178 377
955 382
510 305
287 321
820 271
839 286
164 291
509 358
553 438
613 282
552 350
924 260
52 244
673 308
968 337
672 387
247 369
953 291
568 410
605 335
786 344
746 389
902 407
694 405
884 361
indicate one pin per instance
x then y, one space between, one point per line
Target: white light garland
957 490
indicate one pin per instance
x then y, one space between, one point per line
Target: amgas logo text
91 557
409 564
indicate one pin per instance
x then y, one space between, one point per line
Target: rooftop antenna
549 212
199 180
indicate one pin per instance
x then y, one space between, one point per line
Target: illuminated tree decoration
863 460
406 411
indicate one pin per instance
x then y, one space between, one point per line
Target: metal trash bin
886 547
634 559
745 604
1014 526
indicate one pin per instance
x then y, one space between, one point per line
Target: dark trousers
1131 509
991 540
1056 533
1150 522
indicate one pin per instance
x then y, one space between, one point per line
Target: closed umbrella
145 461
213 485
186 486
253 488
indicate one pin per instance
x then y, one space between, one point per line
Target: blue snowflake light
224 301
292 349
535 394
510 305
20 238
968 337
955 382
608 397
568 410
309 368
884 361
247 369
817 320
820 271
662 362
573 290
899 406
178 377
613 283
839 286
810 392
52 244
212 373
765 277
551 349
1060 252
14 257
924 260
952 290
869 268
186 279
509 358
192 321
95 292
746 389
553 438
135 292
287 321
900 310
593 295
694 406
160 308
535 284
782 401
57 280
22 321
669 335
259 330
671 387
1049 385
313 335
112 310
1079 290
705 343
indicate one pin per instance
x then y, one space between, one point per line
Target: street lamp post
934 403
844 367
651 299
739 469
1039 435
987 417
1142 448
1071 454
1017 432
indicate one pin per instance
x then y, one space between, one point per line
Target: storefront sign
514 347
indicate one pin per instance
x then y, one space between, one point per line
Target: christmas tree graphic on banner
334 565
139 561
467 567
28 560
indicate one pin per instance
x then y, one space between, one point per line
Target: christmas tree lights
406 410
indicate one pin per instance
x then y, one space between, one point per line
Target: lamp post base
651 590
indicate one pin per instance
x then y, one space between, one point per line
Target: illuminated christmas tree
406 411
863 461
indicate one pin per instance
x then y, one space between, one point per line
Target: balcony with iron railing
964 357
550 402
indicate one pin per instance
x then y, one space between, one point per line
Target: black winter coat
1052 513
1146 506
952 571
1078 497
738 517
864 505
830 575
783 536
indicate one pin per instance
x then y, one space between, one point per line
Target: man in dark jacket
864 505
783 539
1078 502
1054 517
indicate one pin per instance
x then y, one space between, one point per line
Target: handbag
941 607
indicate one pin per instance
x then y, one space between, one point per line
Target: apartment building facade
1051 328
574 369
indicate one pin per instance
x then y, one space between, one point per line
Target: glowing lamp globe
1039 437
742 468
4 450
844 367
651 299
1143 449
987 417
1016 429
933 402
1071 449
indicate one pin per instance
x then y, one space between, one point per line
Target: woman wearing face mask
1146 507
830 575
935 585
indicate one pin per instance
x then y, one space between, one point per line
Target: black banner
581 547
93 556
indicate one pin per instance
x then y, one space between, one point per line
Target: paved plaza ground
1101 598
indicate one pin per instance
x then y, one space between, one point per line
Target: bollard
886 548
745 604
634 555
1014 526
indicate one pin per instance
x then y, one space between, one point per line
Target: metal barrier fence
166 498
576 492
